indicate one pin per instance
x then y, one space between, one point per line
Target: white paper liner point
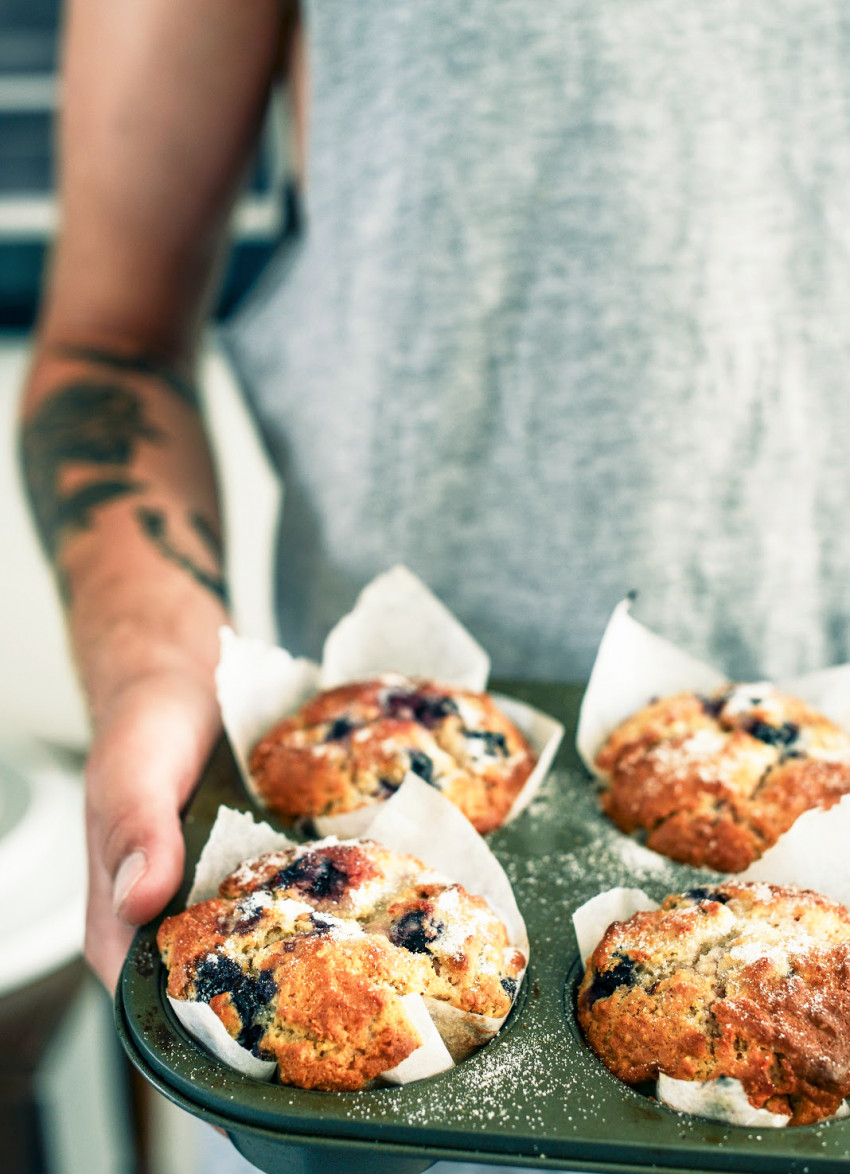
544 735
633 665
235 836
812 854
257 685
431 1057
204 1025
399 625
591 920
722 1099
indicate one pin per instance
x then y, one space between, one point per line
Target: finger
135 830
107 937
142 768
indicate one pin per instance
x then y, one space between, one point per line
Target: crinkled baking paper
396 626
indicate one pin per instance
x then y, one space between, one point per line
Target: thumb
134 798
135 857
150 862
145 760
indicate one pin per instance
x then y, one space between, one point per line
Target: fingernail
128 875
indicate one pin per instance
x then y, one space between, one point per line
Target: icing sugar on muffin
351 746
306 954
744 981
716 780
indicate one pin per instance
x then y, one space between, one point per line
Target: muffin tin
534 1096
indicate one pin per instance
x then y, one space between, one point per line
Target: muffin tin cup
535 1095
722 1098
419 822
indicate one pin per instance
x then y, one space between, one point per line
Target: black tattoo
138 363
73 512
155 526
85 423
96 427
208 535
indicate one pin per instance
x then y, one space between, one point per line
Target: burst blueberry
421 765
312 875
416 931
218 975
215 975
713 705
250 998
340 729
494 743
782 735
700 894
605 982
408 705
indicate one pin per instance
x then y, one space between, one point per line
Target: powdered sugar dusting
745 697
463 921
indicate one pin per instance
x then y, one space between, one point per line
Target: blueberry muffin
351 746
306 954
744 981
716 780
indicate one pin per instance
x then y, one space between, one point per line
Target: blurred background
68 1102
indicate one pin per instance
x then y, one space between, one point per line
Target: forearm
162 103
161 106
123 494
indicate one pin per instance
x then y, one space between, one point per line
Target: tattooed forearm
85 423
140 363
78 452
155 526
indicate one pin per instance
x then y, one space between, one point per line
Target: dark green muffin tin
534 1096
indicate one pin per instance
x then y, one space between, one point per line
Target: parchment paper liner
722 1099
416 820
397 625
634 665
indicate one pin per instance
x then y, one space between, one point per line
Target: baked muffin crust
716 780
744 981
306 954
351 746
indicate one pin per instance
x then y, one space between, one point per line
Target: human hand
150 744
